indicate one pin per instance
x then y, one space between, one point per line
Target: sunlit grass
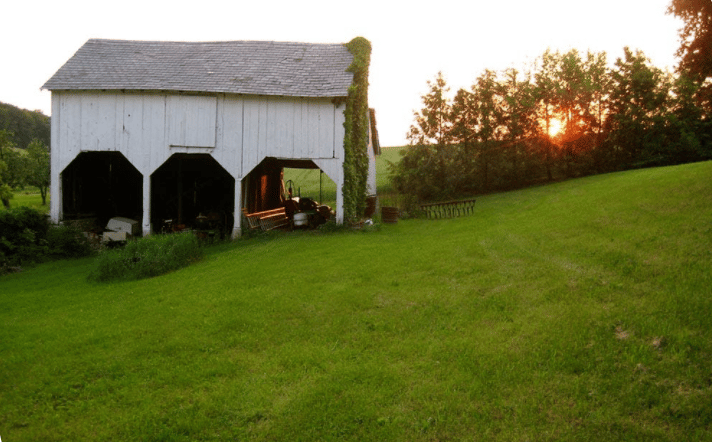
28 197
575 311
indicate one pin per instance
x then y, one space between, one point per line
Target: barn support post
55 199
237 215
340 199
55 179
146 222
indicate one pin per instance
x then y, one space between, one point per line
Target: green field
579 310
29 197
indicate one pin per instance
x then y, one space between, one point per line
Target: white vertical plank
191 120
263 124
98 122
301 147
271 145
228 147
339 131
69 128
133 131
250 135
154 126
325 145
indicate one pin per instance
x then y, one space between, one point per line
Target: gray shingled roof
238 67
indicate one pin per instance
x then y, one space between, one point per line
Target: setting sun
555 127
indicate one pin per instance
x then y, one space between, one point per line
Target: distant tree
519 121
432 129
5 189
487 92
38 167
432 123
545 95
695 50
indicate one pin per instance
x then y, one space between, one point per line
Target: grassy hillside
575 311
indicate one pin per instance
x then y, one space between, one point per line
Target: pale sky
411 40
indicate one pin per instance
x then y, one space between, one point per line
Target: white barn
152 130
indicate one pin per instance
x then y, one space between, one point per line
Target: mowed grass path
575 311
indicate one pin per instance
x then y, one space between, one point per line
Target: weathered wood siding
238 131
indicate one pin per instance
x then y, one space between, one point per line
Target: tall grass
575 311
147 257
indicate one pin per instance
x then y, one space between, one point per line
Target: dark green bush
68 242
147 257
23 235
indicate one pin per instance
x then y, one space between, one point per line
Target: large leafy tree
490 114
695 50
519 112
639 101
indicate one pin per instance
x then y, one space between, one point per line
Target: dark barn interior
102 185
192 191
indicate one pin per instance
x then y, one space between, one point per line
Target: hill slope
24 125
575 311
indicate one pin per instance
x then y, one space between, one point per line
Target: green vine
356 132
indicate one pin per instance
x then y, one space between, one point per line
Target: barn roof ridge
249 67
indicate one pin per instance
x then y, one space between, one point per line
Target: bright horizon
410 45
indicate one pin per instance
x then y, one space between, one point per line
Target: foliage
575 311
432 123
5 190
638 105
499 135
356 131
37 170
695 50
5 172
23 236
68 241
24 125
147 257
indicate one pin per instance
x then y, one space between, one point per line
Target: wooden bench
448 209
267 219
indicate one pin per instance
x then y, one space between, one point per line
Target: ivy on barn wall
356 132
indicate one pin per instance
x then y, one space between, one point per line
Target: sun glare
555 127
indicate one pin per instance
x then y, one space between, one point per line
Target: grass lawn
29 197
575 311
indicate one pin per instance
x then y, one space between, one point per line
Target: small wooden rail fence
448 209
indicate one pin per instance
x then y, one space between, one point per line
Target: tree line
569 115
24 151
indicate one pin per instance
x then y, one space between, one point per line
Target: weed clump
68 241
147 257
